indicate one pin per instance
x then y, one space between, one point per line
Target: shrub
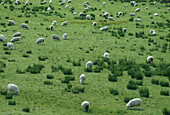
7 52
50 76
48 82
164 92
132 85
155 81
89 69
139 75
54 69
114 91
11 103
36 68
25 55
112 78
98 69
127 99
26 109
9 96
166 111
164 83
20 71
70 78
139 82
67 71
144 92
77 63
3 92
77 89
29 52
65 81
42 58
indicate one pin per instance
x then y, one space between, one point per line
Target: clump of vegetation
155 81
132 85
78 63
68 88
112 78
29 52
25 55
20 71
89 69
54 69
164 83
27 109
42 58
164 92
65 81
36 68
127 99
98 69
48 82
77 89
11 103
9 96
114 91
49 76
144 92
166 111
3 92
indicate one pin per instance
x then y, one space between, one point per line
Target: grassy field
49 96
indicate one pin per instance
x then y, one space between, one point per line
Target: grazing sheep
65 35
104 28
103 11
124 29
66 7
154 33
88 17
2 38
105 14
48 9
51 27
154 2
69 1
85 5
14 88
89 64
2 3
85 8
80 14
11 22
50 1
168 8
40 40
64 23
74 13
146 8
16 2
85 105
106 55
63 2
136 4
126 5
10 45
138 20
132 14
151 31
132 2
111 19
87 2
56 37
82 78
156 14
137 10
119 13
88 7
94 23
150 59
27 2
24 26
17 34
14 39
104 3
134 102
54 23
44 2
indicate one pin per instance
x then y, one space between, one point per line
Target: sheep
156 14
105 14
136 4
54 23
94 23
124 29
51 27
11 22
146 8
138 20
10 45
2 38
119 13
17 34
111 19
104 28
74 13
104 3
44 2
134 102
2 3
40 40
14 39
88 7
27 2
48 9
65 35
103 11
69 1
56 37
14 88
88 17
132 2
66 7
64 23
85 8
150 59
50 1
87 2
126 5
82 78
85 5
89 64
137 10
106 55
24 26
132 14
151 31
154 2
85 105
63 2
80 14
168 8
16 2
154 33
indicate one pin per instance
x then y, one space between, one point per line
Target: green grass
36 69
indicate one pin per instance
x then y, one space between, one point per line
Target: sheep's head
127 106
17 92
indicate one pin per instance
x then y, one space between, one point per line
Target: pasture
48 74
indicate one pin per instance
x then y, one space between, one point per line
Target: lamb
88 17
106 55
64 23
82 78
168 8
94 23
51 27
14 39
16 2
14 88
56 37
124 29
63 2
2 3
150 59
111 19
17 34
132 2
132 14
65 36
156 14
154 33
66 7
2 38
119 13
11 22
151 31
136 4
138 20
74 13
104 28
137 10
89 64
54 23
10 45
69 1
24 26
134 102
40 40
85 105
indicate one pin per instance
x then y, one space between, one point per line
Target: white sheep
86 106
48 9
11 22
88 17
119 13
132 14
17 34
151 31
44 2
154 33
103 11
126 5
14 39
124 29
104 28
168 8
111 19
16 2
136 4
105 14
89 64
2 3
65 35
64 23
94 23
138 20
82 78
62 3
74 13
10 45
56 37
150 59
104 3
66 7
40 40
2 38
154 2
106 55
54 23
50 1
27 2
51 27
146 8
134 102
156 14
24 26
137 10
69 1
80 14
14 88
132 2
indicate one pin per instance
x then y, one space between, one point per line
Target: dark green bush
9 96
25 55
3 92
139 82
36 68
77 63
144 92
65 81
48 82
42 58
67 71
11 103
132 85
7 52
77 89
20 71
2 64
70 78
112 78
29 52
114 91
54 69
166 111
148 73
155 81
164 92
98 69
50 76
26 109
127 99
164 83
